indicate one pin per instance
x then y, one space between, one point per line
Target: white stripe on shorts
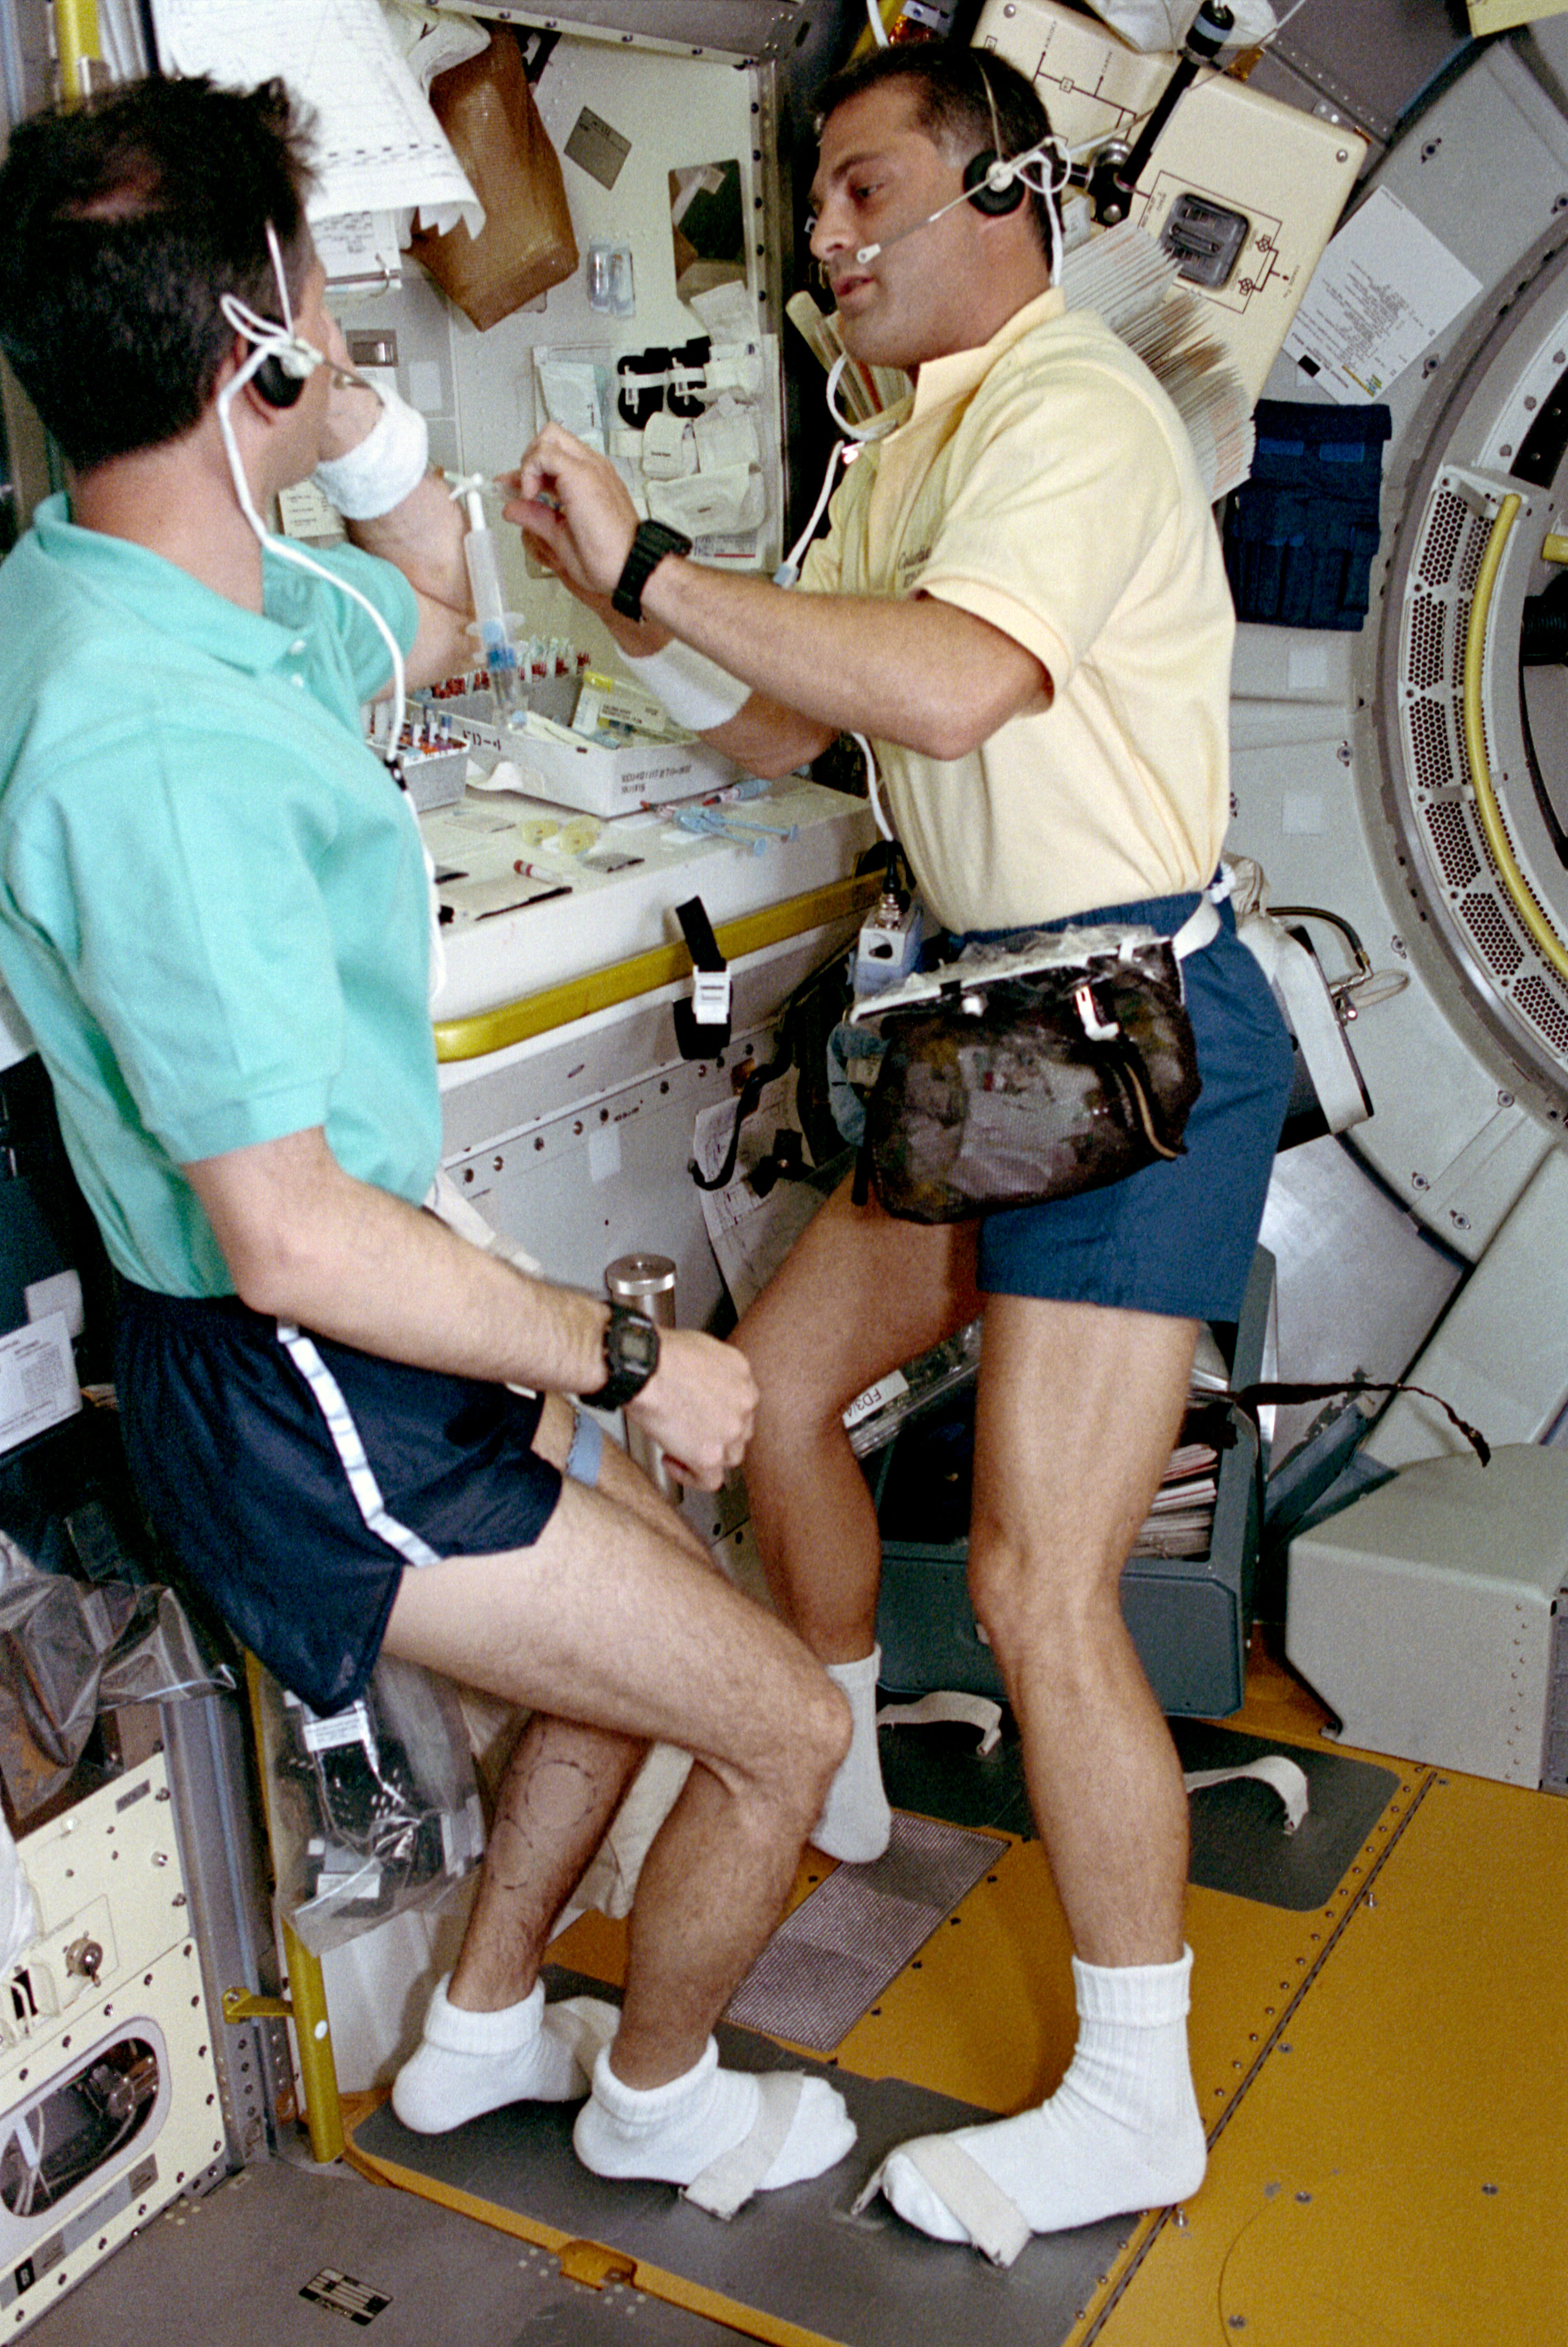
344 1433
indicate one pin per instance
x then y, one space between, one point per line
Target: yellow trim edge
576 998
1490 813
78 43
592 2263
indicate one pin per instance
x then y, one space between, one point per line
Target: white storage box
570 770
1432 1616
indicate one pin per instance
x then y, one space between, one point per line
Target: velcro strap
968 2193
1199 930
728 2182
587 2024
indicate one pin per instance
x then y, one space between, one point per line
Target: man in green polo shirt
214 916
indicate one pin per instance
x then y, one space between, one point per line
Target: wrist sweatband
586 1450
695 691
388 464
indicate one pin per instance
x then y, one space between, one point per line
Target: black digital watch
630 1357
652 542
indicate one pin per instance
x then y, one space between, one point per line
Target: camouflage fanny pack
1059 1064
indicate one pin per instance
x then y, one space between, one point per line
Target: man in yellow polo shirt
1021 601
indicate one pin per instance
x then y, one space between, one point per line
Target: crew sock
1121 2132
671 2132
467 2063
857 1823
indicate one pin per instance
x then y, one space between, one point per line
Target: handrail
1518 892
558 1006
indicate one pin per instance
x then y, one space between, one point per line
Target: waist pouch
1061 1063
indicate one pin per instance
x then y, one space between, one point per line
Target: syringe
489 609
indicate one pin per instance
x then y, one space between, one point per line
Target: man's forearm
920 672
305 1241
422 537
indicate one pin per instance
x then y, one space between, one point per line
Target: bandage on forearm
388 465
695 691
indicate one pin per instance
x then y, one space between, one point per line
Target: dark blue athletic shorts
293 1482
1177 1238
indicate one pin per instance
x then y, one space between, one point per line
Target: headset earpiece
275 385
993 184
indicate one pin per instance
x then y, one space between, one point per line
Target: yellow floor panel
1393 2176
1384 2079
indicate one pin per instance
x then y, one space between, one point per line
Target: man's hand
700 1406
352 409
574 508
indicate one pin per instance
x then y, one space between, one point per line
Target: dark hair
123 223
966 99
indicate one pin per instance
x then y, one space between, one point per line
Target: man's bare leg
561 1786
859 1294
1078 1411
607 1623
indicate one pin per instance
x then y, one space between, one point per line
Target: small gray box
1429 1616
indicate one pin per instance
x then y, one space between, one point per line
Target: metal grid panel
827 1963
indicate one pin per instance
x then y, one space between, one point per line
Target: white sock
1121 2133
857 1823
671 2132
467 2063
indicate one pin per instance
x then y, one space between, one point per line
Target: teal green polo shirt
213 907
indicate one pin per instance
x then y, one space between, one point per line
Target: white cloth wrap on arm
388 465
694 689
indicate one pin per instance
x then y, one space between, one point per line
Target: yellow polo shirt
1045 482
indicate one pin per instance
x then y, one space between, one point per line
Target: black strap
1250 1399
698 931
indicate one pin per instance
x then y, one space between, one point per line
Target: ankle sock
1121 2133
468 2063
672 2132
857 1823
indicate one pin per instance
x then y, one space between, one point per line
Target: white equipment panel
1289 173
106 2075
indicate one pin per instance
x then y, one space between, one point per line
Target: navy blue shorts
245 1476
1177 1238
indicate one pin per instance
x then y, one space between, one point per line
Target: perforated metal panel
1434 801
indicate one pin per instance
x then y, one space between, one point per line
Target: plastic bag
1163 23
374 1809
18 1912
487 110
69 1650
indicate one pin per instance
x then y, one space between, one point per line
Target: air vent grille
1548 1006
1430 743
1497 941
1452 862
1444 532
1427 662
1451 840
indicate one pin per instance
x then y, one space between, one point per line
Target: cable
271 341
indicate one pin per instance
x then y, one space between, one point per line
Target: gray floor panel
1237 1844
871 2280
230 2271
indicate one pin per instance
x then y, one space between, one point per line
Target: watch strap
650 542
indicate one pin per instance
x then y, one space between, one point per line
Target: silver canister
646 1282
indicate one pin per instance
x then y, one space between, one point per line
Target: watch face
635 1345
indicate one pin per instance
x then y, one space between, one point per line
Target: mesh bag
1011 1085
